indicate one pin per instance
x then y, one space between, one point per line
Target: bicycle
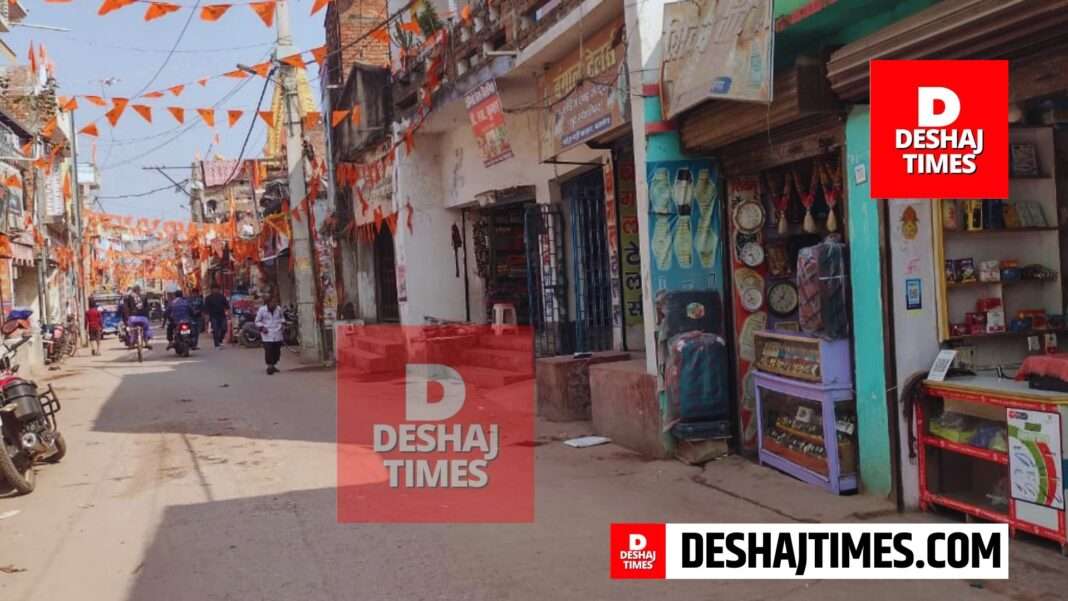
136 334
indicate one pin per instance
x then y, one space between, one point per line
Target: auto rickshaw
108 305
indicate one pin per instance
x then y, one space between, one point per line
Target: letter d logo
416 406
637 542
927 116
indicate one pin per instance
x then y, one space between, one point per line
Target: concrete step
518 361
506 342
367 362
486 377
381 346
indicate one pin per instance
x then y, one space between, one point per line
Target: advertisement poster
611 219
630 253
716 49
1035 469
586 92
487 120
685 226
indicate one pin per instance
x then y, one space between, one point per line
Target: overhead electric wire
141 194
252 126
90 42
170 55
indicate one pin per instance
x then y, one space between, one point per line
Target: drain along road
205 479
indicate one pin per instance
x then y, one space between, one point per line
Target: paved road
205 479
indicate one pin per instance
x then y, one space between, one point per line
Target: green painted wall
868 313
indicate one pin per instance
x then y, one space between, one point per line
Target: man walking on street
270 319
217 307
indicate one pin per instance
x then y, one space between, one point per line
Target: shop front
786 243
980 429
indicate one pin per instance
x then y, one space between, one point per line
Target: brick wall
347 21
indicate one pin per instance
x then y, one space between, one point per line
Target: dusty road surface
204 479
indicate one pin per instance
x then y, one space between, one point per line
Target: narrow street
205 479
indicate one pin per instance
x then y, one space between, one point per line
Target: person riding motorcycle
135 310
178 310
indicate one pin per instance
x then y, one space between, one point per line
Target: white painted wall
916 331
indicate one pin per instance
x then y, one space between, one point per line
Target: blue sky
122 45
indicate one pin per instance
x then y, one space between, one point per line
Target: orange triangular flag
110 5
318 6
97 100
176 90
70 105
144 110
236 74
311 119
214 12
411 27
178 112
158 9
338 117
356 116
268 117
203 82
118 106
265 11
49 128
33 60
381 34
293 60
262 69
465 13
234 116
319 54
208 115
67 192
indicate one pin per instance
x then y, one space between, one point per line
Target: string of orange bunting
211 13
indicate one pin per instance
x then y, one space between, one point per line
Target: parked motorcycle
27 423
52 337
290 331
183 338
247 332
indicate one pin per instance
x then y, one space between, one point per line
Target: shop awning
963 29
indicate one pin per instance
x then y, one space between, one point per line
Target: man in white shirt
270 319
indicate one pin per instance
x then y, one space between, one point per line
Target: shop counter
993 449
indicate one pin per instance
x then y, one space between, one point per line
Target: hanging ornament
808 198
781 203
832 191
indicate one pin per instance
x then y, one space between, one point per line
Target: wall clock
748 216
782 298
752 254
752 299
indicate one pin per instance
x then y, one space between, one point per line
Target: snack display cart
993 449
804 398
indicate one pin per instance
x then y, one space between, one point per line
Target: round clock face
749 216
752 254
782 298
752 299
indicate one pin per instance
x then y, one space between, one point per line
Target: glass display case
803 357
806 415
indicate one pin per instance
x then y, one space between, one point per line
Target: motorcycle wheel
18 471
61 449
180 348
249 339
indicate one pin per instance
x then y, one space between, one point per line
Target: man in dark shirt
216 307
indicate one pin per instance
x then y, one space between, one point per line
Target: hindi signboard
487 120
716 49
586 93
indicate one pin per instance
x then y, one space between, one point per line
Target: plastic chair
504 318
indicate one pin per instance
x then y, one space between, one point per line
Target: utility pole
300 243
79 234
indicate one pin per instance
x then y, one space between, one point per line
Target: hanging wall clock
782 299
752 254
748 216
752 299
